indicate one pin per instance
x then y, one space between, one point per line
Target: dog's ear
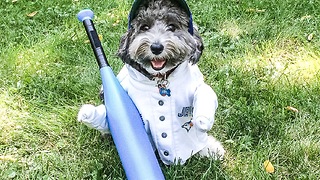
123 51
199 47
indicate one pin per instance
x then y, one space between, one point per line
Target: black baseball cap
182 3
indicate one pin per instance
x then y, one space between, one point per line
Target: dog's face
158 39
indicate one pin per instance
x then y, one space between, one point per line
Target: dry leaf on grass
305 17
32 14
290 108
310 37
252 10
268 166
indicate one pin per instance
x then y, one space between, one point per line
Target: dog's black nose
156 48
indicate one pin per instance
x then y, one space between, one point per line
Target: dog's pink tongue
158 63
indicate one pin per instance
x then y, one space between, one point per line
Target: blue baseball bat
126 126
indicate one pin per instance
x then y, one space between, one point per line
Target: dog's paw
214 149
203 124
86 113
94 117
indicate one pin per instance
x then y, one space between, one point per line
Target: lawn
261 57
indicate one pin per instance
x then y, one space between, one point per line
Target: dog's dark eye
171 27
144 28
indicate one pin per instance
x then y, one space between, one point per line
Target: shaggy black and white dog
160 51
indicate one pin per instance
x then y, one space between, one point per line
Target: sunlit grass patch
284 61
12 114
231 29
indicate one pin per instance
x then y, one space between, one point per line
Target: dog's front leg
94 117
205 104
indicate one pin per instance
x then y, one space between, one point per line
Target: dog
160 51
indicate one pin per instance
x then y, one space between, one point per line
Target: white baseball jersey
169 118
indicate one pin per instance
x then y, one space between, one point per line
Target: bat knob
85 14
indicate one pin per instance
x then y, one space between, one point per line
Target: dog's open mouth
158 63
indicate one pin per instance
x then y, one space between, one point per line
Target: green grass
258 59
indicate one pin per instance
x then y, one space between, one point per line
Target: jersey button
164 135
162 118
166 153
160 103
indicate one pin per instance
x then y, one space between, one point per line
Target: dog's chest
163 99
168 119
171 99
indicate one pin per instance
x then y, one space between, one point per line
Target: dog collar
182 3
151 77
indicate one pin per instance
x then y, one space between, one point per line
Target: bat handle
86 16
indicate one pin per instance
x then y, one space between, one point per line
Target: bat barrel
128 133
134 148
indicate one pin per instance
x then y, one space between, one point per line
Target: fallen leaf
305 17
229 141
310 37
14 1
32 14
100 37
256 10
268 166
116 23
290 108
